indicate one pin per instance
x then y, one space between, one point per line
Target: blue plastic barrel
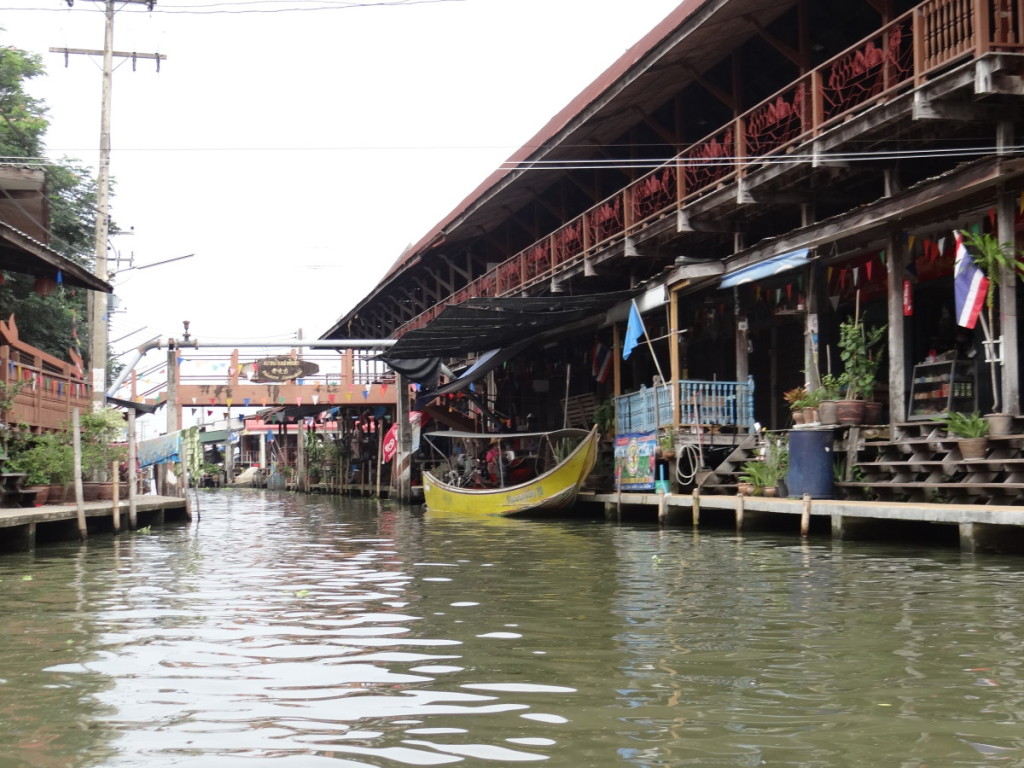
810 463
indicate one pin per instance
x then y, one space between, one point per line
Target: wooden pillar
401 470
675 374
76 437
300 456
811 325
616 360
742 338
897 336
133 472
1008 310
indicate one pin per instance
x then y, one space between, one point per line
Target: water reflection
319 631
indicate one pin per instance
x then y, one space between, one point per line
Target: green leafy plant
46 459
831 388
776 457
758 473
964 424
994 259
103 437
861 350
604 416
795 397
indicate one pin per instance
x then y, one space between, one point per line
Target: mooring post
805 516
76 438
115 496
739 512
695 505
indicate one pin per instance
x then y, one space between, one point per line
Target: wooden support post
76 435
1007 309
675 373
695 505
662 508
805 517
133 471
401 462
897 337
739 512
115 497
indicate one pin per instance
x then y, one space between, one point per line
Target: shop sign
278 369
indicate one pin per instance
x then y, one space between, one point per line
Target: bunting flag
969 286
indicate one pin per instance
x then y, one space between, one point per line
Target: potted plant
776 459
828 395
102 439
860 349
795 399
995 260
758 474
604 417
971 428
48 463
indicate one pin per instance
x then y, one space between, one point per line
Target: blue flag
634 330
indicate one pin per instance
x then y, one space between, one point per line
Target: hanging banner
634 461
390 446
908 298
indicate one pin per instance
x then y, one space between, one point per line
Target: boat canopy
567 432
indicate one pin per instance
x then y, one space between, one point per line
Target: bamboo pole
805 517
76 434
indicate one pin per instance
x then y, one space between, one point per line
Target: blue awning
763 269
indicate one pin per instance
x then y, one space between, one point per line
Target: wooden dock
22 528
972 527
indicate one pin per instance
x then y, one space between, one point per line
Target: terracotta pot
850 412
58 493
771 490
999 423
42 493
91 491
973 447
744 489
827 412
872 412
810 415
798 416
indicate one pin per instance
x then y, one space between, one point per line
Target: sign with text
277 369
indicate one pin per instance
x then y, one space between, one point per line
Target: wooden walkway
22 528
972 527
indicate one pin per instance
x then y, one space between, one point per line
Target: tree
54 323
994 259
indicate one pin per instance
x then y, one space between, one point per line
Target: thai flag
601 362
969 286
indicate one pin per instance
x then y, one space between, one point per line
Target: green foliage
604 416
46 322
102 441
45 459
776 457
831 388
861 350
757 473
964 424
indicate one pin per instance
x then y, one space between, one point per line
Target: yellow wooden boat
553 488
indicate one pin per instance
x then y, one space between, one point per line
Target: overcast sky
298 147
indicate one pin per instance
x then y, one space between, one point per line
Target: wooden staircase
722 479
920 463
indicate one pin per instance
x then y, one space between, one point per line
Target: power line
290 7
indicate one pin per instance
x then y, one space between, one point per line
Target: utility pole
98 303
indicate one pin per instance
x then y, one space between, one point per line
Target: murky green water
293 632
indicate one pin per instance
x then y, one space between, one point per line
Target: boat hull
555 490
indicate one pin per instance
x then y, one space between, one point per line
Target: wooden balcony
901 56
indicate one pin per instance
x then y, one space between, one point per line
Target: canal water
321 632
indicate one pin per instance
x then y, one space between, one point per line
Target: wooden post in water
805 516
133 470
695 499
380 453
76 434
739 511
115 496
185 480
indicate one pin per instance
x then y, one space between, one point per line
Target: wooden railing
900 55
48 388
702 403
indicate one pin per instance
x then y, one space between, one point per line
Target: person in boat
491 459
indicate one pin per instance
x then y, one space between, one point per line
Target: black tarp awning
482 324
